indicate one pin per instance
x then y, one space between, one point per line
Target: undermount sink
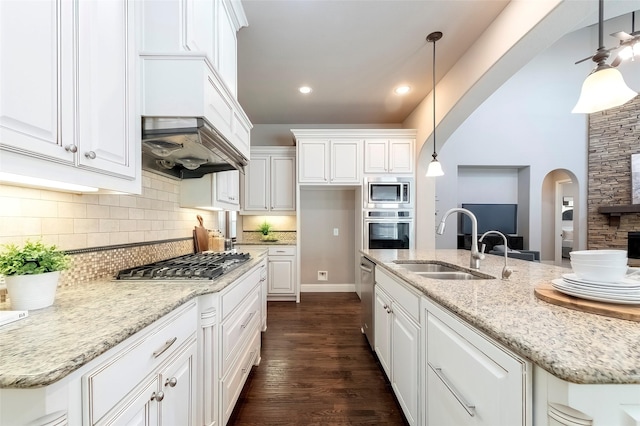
450 275
439 271
427 267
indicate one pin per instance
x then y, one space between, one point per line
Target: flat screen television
491 217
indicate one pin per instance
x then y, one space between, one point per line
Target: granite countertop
575 346
88 319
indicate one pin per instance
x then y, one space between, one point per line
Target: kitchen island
572 353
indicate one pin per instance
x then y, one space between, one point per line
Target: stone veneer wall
613 136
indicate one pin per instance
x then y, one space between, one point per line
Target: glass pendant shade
434 169
604 88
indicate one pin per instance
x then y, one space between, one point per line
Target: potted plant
265 229
31 273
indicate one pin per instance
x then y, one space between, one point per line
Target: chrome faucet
476 256
506 272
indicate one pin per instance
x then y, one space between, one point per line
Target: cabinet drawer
108 384
236 328
233 295
234 381
409 301
470 378
282 251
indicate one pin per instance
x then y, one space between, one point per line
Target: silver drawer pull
172 382
248 367
471 409
246 323
164 347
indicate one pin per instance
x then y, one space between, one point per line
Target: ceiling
353 53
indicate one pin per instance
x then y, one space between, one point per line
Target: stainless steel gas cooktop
197 266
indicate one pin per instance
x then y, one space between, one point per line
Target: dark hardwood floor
316 369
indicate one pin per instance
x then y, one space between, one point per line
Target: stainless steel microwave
388 192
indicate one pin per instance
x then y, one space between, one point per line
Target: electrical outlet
336 232
323 275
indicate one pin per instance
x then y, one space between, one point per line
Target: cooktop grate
197 266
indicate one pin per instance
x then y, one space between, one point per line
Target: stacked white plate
625 291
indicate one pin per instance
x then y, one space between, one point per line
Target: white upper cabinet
214 191
68 110
340 156
389 156
189 64
270 182
329 161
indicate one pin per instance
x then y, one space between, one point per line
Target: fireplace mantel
614 212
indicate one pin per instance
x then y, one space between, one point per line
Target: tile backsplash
80 221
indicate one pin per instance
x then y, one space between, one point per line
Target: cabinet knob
90 155
172 382
71 148
157 396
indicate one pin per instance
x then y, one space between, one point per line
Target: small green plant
265 228
32 258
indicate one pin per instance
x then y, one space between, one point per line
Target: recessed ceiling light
402 90
305 89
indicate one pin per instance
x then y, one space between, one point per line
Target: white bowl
605 274
605 262
597 254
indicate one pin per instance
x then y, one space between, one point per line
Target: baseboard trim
327 288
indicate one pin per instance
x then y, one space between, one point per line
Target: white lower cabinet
151 381
397 341
282 273
471 380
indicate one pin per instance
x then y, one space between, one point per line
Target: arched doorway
560 212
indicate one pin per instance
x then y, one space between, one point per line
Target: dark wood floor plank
316 369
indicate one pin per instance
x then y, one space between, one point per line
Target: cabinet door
178 385
382 321
404 363
401 156
470 381
345 162
283 183
282 275
227 186
138 409
256 184
107 119
375 156
36 70
312 161
226 62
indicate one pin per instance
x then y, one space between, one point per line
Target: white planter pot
28 292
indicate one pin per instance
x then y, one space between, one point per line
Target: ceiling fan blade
585 59
621 35
617 61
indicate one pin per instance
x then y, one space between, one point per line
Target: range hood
185 148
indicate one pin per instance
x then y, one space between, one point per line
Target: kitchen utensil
201 236
547 293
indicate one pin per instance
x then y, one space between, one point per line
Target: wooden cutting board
547 293
201 236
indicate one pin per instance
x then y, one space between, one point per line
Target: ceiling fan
629 45
604 87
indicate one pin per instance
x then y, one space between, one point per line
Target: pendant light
604 88
435 168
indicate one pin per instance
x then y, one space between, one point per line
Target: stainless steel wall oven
388 229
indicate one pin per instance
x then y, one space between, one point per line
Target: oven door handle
364 268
